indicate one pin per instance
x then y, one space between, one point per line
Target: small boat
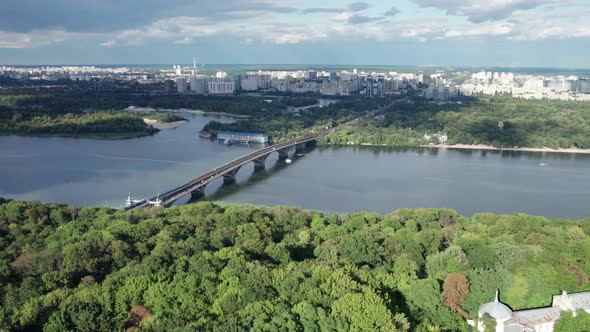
204 134
132 201
542 164
288 161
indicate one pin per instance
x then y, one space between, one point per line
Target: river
329 179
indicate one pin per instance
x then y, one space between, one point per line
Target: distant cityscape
439 86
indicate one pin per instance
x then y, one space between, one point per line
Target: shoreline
184 110
163 125
493 148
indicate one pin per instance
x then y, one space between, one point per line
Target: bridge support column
230 177
283 154
259 163
198 193
300 148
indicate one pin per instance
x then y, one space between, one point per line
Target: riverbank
493 148
163 125
183 110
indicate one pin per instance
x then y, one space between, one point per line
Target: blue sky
543 33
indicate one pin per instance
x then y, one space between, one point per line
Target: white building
221 75
531 320
221 88
250 83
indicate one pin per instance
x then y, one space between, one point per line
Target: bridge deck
171 196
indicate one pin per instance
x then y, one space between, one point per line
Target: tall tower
194 66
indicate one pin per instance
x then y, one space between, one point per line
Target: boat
204 134
288 161
542 164
131 201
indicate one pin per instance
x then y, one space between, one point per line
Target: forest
498 121
211 267
108 125
98 114
287 126
54 102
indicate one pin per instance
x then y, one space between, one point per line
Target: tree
455 291
489 323
570 323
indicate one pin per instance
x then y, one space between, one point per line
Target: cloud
497 29
113 15
354 7
358 6
38 38
478 11
362 19
249 22
392 12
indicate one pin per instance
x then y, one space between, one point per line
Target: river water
329 179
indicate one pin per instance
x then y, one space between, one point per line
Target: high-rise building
221 88
200 84
250 83
181 85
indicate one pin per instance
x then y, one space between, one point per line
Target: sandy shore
163 125
489 147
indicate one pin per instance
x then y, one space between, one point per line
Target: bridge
196 187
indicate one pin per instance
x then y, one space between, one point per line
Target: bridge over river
196 187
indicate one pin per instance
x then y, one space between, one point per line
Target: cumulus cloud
483 10
392 12
111 15
361 19
260 21
38 38
354 7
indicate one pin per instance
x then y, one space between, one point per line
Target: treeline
499 121
205 267
76 101
92 124
289 126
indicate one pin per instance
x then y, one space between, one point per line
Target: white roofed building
531 320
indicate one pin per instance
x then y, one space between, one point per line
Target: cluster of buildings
530 320
330 83
231 137
436 86
527 86
74 73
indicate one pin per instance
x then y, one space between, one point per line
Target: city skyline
510 33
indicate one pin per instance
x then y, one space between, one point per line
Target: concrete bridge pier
283 153
259 163
300 148
198 193
230 177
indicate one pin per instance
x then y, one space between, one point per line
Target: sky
506 33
